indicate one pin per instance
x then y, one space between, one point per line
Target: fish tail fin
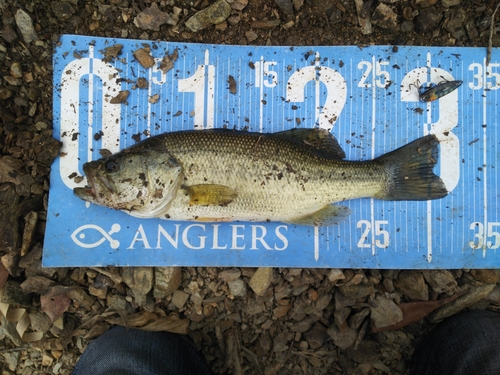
410 175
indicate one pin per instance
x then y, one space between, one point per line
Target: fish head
142 181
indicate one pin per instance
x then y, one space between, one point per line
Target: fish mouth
87 193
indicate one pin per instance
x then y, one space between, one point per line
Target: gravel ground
244 320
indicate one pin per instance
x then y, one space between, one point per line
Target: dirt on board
244 320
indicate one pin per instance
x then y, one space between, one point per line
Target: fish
293 176
438 91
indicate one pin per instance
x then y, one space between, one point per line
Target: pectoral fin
326 216
210 194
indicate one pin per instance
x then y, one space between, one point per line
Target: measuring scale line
372 201
485 156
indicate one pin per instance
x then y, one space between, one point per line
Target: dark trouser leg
123 352
466 343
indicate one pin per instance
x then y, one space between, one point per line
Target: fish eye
112 166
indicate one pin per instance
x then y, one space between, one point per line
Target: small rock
11 360
342 338
384 17
15 70
385 312
100 292
230 274
212 15
9 34
239 4
152 18
144 58
450 3
281 311
335 275
357 319
40 322
238 287
428 19
261 280
471 29
441 281
316 336
407 26
356 291
47 360
5 93
286 7
120 98
13 295
342 301
340 316
454 22
25 25
179 298
62 9
475 294
251 36
265 24
167 281
412 284
367 352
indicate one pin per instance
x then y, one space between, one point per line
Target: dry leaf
54 304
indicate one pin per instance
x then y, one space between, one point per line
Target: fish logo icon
79 234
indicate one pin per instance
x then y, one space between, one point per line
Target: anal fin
210 194
328 215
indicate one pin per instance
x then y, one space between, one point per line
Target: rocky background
244 320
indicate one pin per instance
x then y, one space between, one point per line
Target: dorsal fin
319 139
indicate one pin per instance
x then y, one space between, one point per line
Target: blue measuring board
367 97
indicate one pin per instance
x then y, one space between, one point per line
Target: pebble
239 4
212 15
152 18
261 280
16 70
441 281
384 17
251 36
286 7
25 25
230 274
412 284
335 275
238 287
454 22
385 312
356 291
179 298
428 19
342 338
450 3
167 281
144 58
62 9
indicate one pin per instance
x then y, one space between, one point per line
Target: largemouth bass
292 176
